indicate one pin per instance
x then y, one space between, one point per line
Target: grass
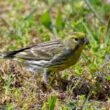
85 86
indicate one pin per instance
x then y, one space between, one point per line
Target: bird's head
76 40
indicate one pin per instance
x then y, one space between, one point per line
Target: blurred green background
26 22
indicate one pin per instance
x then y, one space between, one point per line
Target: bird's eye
76 39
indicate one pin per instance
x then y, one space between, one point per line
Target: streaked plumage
52 56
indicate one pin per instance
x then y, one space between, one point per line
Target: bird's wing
42 51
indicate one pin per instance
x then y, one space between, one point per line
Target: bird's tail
7 55
2 56
12 54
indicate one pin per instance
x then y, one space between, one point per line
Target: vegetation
85 86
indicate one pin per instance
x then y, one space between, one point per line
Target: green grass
85 86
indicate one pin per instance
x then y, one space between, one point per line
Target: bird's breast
65 60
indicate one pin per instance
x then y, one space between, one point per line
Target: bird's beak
86 41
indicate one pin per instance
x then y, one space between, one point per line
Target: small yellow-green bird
52 56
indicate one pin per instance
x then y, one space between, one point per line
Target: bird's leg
46 76
46 83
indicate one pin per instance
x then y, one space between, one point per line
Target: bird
52 56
